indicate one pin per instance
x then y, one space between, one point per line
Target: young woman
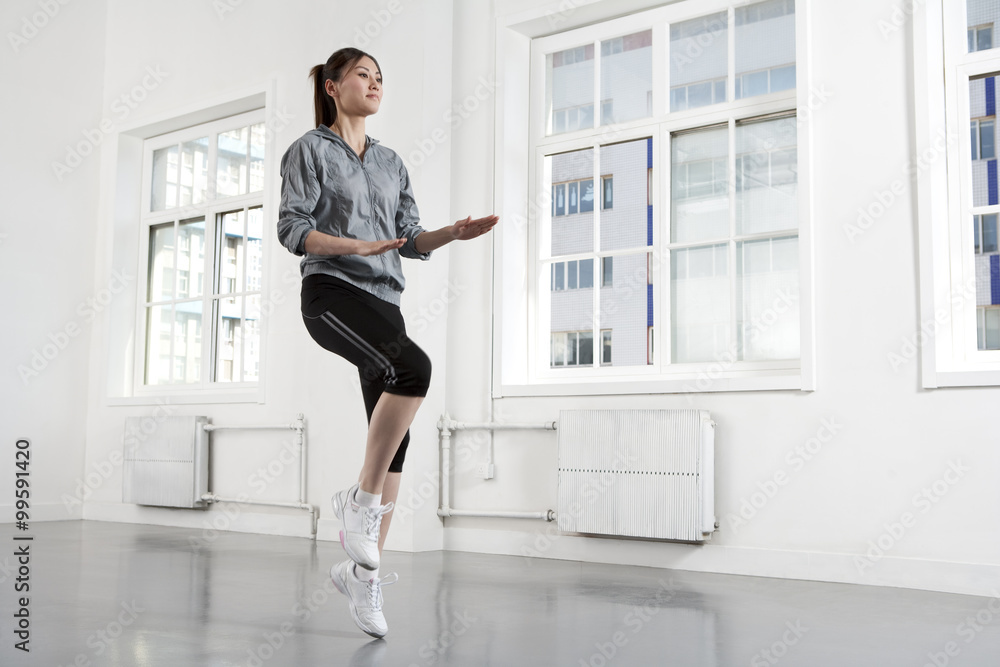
348 208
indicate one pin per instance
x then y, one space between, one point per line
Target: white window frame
942 70
518 301
211 210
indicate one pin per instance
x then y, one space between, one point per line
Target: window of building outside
692 255
202 220
958 192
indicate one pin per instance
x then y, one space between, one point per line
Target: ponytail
340 62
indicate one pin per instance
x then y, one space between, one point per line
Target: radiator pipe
446 425
299 427
212 498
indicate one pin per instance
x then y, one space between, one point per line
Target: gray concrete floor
121 594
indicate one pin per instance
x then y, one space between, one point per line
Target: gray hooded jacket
326 187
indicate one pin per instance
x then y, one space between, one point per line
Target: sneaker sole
354 614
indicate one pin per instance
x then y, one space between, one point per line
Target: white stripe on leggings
359 342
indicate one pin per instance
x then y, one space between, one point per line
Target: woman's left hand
463 230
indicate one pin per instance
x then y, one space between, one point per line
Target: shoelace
374 589
373 520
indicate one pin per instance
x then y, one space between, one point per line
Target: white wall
893 439
52 75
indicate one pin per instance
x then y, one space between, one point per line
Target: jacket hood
327 133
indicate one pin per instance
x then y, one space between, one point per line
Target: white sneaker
364 597
360 527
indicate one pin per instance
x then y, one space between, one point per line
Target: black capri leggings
370 333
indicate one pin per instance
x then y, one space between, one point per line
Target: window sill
249 395
687 384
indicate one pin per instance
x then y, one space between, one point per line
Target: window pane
982 109
606 346
255 232
626 307
766 176
609 191
571 275
628 223
560 276
164 186
765 47
232 162
767 301
231 256
229 341
251 340
158 327
257 157
194 171
585 354
986 140
559 349
190 258
981 16
161 262
699 186
993 328
700 319
586 195
698 61
586 273
607 271
569 85
626 77
990 232
572 194
572 310
187 343
571 233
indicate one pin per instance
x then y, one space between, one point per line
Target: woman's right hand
366 248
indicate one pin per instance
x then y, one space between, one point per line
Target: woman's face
359 91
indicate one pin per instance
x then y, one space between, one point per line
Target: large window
692 254
958 203
202 216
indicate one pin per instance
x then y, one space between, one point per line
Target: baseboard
222 516
943 576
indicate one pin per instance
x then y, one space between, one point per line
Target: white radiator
637 473
168 464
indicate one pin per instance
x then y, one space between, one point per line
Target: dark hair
340 62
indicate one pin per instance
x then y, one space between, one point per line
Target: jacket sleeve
408 218
300 190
